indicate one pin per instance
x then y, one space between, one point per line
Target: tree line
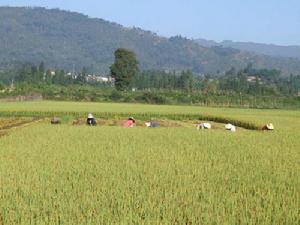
248 80
30 73
127 76
245 81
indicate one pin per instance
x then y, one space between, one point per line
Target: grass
109 175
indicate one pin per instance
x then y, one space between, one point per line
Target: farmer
230 127
129 123
203 126
268 127
152 124
55 120
91 121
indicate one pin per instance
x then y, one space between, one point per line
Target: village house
100 79
253 79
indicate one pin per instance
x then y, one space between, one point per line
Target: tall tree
81 78
124 68
48 77
41 73
187 81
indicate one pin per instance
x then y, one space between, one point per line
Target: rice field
69 174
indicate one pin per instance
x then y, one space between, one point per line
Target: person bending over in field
268 127
152 124
203 126
91 121
129 123
230 127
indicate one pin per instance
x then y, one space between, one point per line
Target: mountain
71 40
292 51
207 43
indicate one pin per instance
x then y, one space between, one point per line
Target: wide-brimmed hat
206 125
90 116
148 124
230 127
131 118
270 126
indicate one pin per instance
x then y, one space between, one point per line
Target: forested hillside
70 41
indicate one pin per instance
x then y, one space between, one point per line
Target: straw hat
148 124
90 116
207 125
203 126
131 118
270 126
230 127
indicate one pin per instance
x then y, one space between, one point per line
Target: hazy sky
265 21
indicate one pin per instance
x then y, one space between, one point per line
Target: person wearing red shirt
129 123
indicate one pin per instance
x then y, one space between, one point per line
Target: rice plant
110 175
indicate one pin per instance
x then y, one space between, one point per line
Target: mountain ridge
292 51
71 40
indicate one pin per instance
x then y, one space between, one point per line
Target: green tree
48 77
187 81
41 72
124 68
34 74
2 86
25 73
81 78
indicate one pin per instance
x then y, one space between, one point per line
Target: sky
262 21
